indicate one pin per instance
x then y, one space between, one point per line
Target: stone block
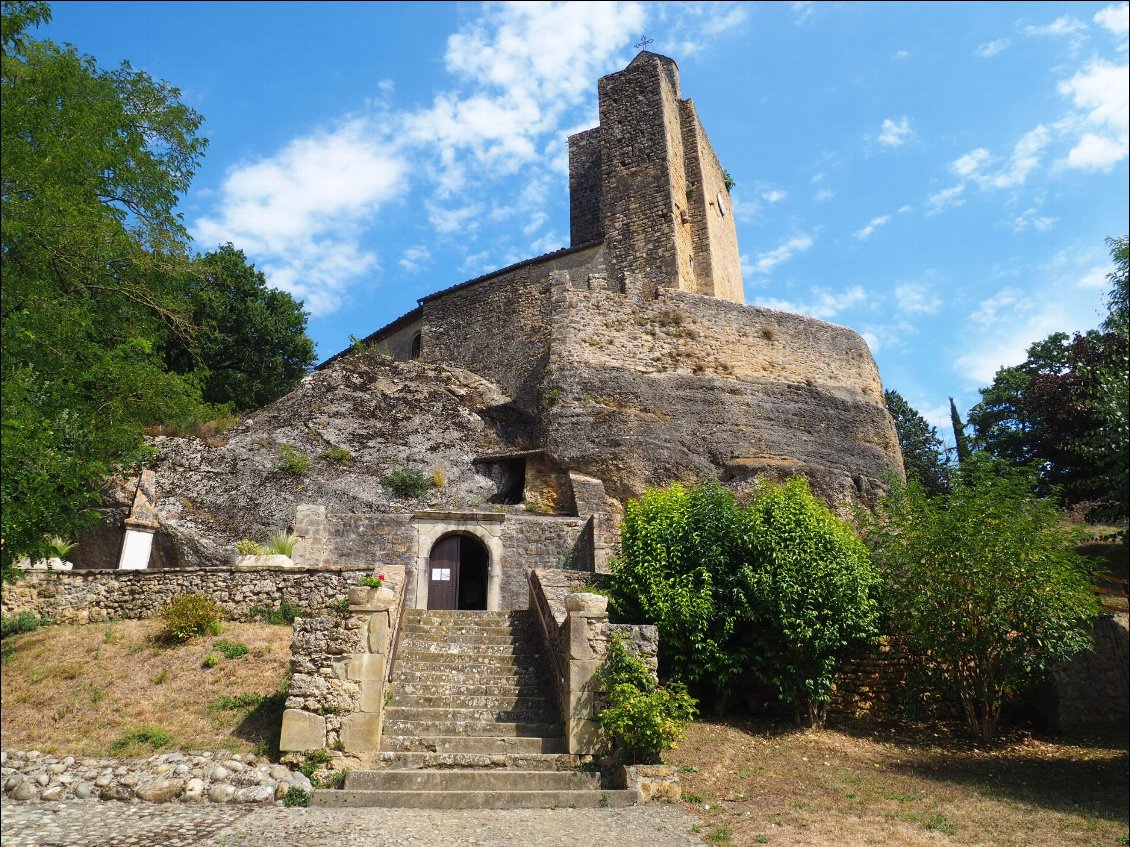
372 695
378 632
302 731
586 737
361 732
366 666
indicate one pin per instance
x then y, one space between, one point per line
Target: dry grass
864 785
76 689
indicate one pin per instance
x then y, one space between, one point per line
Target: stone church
541 396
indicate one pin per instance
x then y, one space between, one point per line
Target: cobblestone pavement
77 823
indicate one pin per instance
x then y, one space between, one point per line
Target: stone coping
78 571
472 517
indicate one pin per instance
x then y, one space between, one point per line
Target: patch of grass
210 661
296 797
692 797
292 462
407 482
230 649
337 454
21 623
280 544
239 701
341 605
149 737
938 823
161 678
96 696
333 780
312 760
719 835
247 547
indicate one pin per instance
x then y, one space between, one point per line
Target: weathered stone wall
99 595
586 219
1093 687
499 326
872 685
529 542
685 386
371 540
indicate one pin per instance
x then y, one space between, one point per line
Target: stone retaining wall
88 596
1093 687
220 777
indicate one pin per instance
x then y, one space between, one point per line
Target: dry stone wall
1093 687
75 597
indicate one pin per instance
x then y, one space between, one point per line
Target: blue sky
939 177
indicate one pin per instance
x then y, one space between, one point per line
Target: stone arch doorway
458 573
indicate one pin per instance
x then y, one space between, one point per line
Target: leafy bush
280 544
642 716
210 661
337 454
407 482
293 462
231 649
373 581
20 623
144 736
781 587
985 584
247 547
188 616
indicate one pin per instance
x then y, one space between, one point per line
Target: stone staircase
472 723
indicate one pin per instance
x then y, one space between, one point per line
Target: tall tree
92 163
961 440
250 345
923 452
1064 409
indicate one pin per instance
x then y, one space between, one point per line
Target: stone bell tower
647 183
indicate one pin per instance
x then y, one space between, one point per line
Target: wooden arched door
457 573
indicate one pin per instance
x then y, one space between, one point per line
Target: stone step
507 639
455 688
458 713
497 779
459 629
409 760
472 729
468 662
432 673
470 744
471 648
447 617
475 799
458 701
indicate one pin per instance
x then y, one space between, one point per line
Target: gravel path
76 823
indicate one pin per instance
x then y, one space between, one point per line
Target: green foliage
210 661
58 547
188 616
642 716
923 452
144 736
296 797
284 614
781 587
333 780
373 581
312 760
20 623
293 462
230 649
407 482
238 702
247 547
984 584
93 163
280 544
728 180
961 439
337 454
340 605
249 346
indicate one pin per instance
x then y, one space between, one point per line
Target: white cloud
992 48
971 162
1032 219
802 10
1025 158
775 195
768 260
988 311
902 210
900 55
824 304
874 224
450 220
824 195
1065 25
414 258
724 17
917 298
1115 18
1102 91
895 133
1096 277
939 200
297 211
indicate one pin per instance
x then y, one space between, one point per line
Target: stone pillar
141 524
310 534
361 731
584 735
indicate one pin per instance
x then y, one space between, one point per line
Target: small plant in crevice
341 605
285 613
292 461
296 797
312 760
407 482
337 454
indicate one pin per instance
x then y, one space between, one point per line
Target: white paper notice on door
441 574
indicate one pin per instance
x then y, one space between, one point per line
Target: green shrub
293 462
188 616
407 482
337 454
296 797
144 736
210 661
985 584
377 581
280 544
247 547
340 605
312 760
642 716
334 780
231 649
20 623
284 614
